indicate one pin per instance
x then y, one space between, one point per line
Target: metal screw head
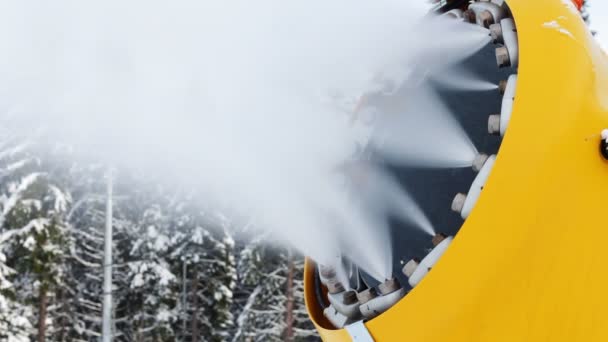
410 267
494 124
502 57
458 202
334 286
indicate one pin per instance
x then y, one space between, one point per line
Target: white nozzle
487 13
479 161
345 303
429 261
468 201
389 286
497 31
329 278
502 57
380 304
605 134
494 124
458 202
508 55
455 13
337 319
366 296
410 267
508 99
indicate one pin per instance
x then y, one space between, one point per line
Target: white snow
29 243
61 199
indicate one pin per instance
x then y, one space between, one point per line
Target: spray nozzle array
485 13
505 33
377 300
344 306
347 306
462 203
329 278
416 270
497 123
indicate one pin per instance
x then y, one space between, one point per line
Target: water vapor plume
247 102
417 129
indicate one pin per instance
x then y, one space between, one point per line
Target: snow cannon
536 198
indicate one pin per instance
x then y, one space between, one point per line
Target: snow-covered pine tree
264 295
86 221
152 295
32 213
15 317
304 330
206 254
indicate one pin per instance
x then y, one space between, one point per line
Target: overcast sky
598 10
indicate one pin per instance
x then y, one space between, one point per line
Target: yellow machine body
529 264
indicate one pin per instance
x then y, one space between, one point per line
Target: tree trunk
62 322
194 305
42 314
289 296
